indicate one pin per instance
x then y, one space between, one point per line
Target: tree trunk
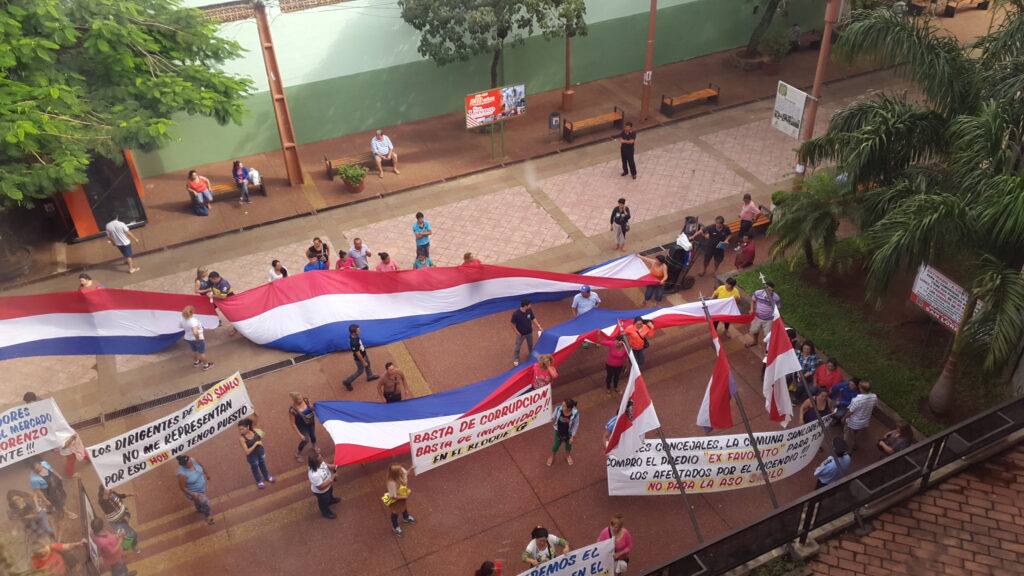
494 67
942 395
809 255
762 27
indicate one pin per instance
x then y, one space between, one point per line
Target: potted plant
774 46
354 176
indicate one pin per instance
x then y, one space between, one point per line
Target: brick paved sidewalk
970 525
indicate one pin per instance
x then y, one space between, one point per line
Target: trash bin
554 121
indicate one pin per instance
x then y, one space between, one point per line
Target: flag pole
807 390
668 454
746 421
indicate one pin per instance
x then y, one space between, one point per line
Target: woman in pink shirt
345 262
544 372
614 363
386 263
623 543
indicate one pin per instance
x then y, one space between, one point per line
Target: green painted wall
401 93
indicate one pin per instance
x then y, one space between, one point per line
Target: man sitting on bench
383 150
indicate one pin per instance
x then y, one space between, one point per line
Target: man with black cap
584 302
544 547
832 469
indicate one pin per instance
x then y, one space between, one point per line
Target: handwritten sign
120 459
440 445
714 463
940 297
593 560
31 429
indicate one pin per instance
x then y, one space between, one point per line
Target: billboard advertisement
483 108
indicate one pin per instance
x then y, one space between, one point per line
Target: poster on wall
483 108
31 429
446 443
133 453
940 297
714 463
788 115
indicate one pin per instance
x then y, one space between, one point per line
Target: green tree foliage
456 30
941 181
80 78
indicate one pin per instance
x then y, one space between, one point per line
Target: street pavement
547 213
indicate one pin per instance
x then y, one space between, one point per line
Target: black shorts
717 253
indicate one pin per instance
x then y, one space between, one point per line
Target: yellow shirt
723 291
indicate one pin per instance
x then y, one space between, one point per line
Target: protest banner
940 297
440 445
593 560
120 459
31 429
714 463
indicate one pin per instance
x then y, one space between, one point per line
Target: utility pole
807 129
284 118
645 99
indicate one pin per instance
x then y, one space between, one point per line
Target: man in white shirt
360 254
194 336
120 236
383 149
858 417
584 302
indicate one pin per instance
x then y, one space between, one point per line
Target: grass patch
839 329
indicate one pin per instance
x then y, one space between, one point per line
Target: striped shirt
381 147
860 411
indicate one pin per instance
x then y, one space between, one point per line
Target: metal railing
795 521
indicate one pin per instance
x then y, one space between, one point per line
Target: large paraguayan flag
310 312
365 431
103 321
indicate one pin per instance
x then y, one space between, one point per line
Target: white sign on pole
31 429
788 115
715 463
940 297
593 560
448 442
124 457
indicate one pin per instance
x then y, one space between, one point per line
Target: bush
839 329
352 173
775 44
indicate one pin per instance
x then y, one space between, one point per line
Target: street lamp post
645 99
807 130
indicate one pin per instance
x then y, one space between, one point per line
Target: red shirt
471 263
53 563
745 257
823 379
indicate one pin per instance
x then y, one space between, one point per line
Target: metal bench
709 95
570 128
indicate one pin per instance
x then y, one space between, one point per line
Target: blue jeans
202 504
205 196
129 532
308 432
244 187
258 463
119 569
654 292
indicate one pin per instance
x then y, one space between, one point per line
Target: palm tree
808 218
941 179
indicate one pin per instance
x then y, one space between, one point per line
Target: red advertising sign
940 297
495 105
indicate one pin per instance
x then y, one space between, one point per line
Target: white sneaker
515 362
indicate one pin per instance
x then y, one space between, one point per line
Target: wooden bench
759 222
952 5
570 128
361 159
709 95
223 190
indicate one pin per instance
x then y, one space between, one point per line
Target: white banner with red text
440 445
714 463
593 560
31 429
133 453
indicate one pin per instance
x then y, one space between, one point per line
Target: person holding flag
636 416
780 361
716 408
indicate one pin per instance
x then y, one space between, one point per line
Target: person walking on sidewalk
109 547
623 542
192 480
393 386
118 515
121 237
614 363
362 359
422 231
522 325
544 372
619 223
397 497
639 335
566 421
627 149
251 440
303 421
194 335
240 173
858 417
321 483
